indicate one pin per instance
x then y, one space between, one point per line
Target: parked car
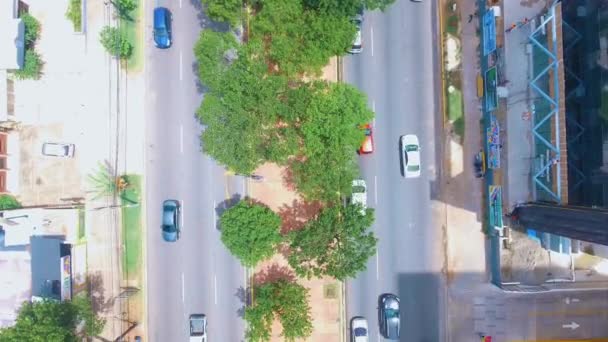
58 150
389 319
171 227
359 331
357 46
410 156
162 27
367 146
479 164
198 328
359 194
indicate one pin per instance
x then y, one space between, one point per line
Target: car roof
159 16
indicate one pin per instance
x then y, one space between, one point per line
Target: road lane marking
377 267
180 3
181 139
376 190
181 65
183 289
372 39
215 288
374 106
572 326
569 300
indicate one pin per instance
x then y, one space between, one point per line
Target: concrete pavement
397 71
196 274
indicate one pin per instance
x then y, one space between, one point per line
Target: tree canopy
115 42
250 231
67 321
288 302
346 7
331 135
229 11
336 243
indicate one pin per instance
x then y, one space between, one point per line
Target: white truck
198 328
359 194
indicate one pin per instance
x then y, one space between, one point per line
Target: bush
115 42
74 14
32 66
32 29
9 202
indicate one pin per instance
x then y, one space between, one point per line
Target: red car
367 146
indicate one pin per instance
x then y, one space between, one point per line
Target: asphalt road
397 70
196 274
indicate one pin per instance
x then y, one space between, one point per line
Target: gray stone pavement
518 70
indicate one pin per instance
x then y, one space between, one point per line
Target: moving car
367 146
357 46
410 155
359 194
171 220
198 328
359 331
388 316
58 150
162 27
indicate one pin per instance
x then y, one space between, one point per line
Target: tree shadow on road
225 205
95 288
243 294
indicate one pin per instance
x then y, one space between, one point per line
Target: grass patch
81 226
455 110
132 30
74 14
453 24
132 227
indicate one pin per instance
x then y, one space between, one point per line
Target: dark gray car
389 316
171 226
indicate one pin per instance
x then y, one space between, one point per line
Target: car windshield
392 313
413 167
411 148
358 189
169 228
368 132
360 332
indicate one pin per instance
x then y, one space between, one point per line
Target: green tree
74 14
213 53
115 42
284 300
346 7
331 135
53 321
297 41
32 66
124 8
244 114
336 243
8 202
32 29
250 231
229 11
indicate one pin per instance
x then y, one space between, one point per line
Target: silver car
357 46
58 150
410 156
359 331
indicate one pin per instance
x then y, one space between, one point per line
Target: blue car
171 220
162 28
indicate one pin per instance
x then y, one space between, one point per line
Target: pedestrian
470 18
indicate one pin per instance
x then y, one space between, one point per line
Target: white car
357 46
198 328
359 194
359 331
58 150
410 156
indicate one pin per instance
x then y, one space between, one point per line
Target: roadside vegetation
124 42
8 202
32 64
51 320
74 14
284 300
